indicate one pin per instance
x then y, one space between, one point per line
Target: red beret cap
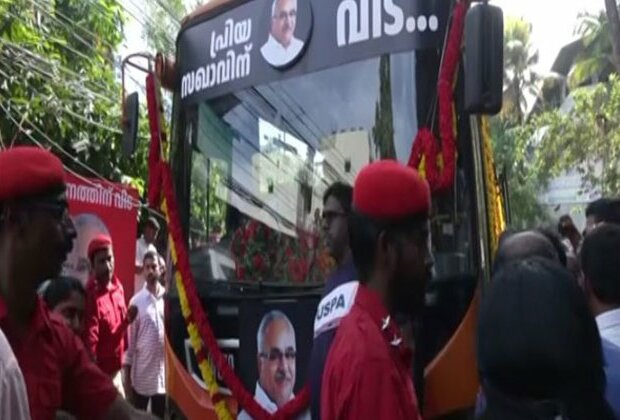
387 189
99 243
28 171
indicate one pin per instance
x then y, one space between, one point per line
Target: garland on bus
199 317
439 166
161 193
495 205
219 403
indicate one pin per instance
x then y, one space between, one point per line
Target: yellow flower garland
495 205
206 370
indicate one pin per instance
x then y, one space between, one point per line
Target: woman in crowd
539 350
65 296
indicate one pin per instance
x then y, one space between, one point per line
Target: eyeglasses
276 354
329 215
59 211
283 15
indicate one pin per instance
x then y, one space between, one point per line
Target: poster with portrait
275 345
102 208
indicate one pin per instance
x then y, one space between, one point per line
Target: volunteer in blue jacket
337 294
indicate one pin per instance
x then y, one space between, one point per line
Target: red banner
102 207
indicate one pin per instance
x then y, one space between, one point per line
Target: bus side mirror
130 124
484 59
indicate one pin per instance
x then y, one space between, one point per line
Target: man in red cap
368 369
106 314
34 221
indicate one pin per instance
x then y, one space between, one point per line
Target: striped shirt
145 353
13 397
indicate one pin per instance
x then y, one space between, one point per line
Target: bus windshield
262 159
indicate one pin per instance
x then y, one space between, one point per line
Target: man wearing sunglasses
282 47
36 234
276 359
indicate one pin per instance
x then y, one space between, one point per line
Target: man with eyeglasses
282 47
338 293
276 358
34 221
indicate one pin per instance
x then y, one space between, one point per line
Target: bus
273 102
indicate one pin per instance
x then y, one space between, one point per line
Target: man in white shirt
282 47
13 396
146 243
277 353
600 260
144 367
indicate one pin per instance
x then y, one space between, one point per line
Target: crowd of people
548 344
69 350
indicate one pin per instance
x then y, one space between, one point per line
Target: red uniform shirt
105 315
58 371
368 370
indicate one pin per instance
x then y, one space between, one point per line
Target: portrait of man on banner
282 47
88 226
276 363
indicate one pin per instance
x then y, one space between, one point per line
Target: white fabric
261 397
609 326
145 352
13 395
335 306
275 54
117 380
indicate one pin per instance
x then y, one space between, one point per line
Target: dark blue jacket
322 342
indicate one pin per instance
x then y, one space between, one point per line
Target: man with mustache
277 354
34 220
106 315
368 369
282 47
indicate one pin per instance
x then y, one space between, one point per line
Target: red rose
258 262
240 271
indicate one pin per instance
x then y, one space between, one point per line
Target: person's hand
132 313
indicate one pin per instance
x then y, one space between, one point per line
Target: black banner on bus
263 41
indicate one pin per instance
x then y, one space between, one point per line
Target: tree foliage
596 58
163 24
519 76
587 138
58 83
507 131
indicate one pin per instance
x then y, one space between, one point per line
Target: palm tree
520 80
596 58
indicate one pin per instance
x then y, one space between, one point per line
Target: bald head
523 245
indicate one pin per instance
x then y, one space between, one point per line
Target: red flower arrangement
425 144
262 254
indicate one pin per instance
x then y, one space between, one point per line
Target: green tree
586 139
511 150
383 130
58 83
519 77
507 131
163 24
596 58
